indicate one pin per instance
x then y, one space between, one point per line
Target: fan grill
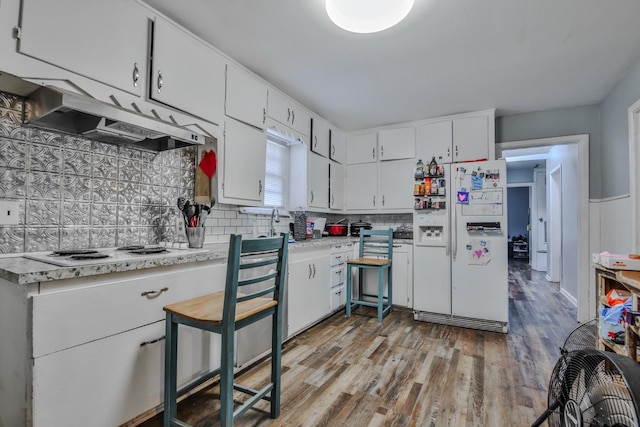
583 337
588 389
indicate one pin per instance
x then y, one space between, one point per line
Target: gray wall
614 154
559 122
518 212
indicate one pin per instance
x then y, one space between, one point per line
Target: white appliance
460 248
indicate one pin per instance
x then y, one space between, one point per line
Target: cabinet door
243 157
434 139
338 145
104 41
396 184
320 131
112 380
198 90
246 97
336 186
298 312
287 112
362 148
402 275
470 138
320 286
361 188
318 182
396 144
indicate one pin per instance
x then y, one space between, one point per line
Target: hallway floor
354 372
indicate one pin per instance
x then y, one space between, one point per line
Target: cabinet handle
311 196
381 151
288 114
136 74
396 246
259 187
373 152
314 270
333 151
315 141
293 116
456 151
142 344
333 199
374 200
264 115
383 200
448 151
310 271
160 82
154 294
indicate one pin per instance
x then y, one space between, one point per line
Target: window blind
276 173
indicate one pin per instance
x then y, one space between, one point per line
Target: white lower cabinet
401 275
308 288
112 380
95 345
337 294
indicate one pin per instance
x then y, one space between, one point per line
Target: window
276 172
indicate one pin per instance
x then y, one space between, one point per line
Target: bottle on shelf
419 174
427 186
433 167
440 170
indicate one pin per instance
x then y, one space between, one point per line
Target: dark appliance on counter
357 226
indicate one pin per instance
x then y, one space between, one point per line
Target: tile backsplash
77 193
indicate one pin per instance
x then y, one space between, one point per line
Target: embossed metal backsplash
74 192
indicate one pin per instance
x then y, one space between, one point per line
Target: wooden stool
225 312
376 251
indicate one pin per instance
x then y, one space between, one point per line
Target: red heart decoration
209 163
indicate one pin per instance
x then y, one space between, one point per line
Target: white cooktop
115 256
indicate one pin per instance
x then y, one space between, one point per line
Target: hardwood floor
354 372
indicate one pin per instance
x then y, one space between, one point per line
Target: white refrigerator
460 248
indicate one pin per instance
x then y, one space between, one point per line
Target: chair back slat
378 243
257 268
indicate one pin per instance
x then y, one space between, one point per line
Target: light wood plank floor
354 372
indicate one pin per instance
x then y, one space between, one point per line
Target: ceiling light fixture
367 16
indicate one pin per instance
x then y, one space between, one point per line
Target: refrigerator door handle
454 232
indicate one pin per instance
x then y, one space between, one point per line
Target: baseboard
463 322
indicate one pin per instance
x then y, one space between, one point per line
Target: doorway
554 273
575 284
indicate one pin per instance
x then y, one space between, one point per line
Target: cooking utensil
357 226
337 229
181 202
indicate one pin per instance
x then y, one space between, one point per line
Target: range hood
53 108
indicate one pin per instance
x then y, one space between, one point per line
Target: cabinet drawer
337 258
338 298
337 276
73 317
109 381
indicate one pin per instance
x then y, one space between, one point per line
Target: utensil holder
195 236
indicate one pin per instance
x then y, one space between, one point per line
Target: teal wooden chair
250 262
376 251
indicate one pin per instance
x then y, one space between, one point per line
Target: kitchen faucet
275 217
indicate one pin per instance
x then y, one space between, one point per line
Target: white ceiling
446 57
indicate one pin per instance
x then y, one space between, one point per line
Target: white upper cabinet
460 139
289 113
318 182
362 148
337 151
397 144
434 140
361 189
320 136
242 160
104 41
186 73
393 177
246 97
471 138
336 186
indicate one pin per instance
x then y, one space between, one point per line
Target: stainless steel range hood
52 108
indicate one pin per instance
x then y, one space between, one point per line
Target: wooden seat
260 263
376 250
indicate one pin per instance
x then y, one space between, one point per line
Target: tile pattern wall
79 193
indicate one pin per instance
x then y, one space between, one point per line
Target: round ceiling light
367 16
